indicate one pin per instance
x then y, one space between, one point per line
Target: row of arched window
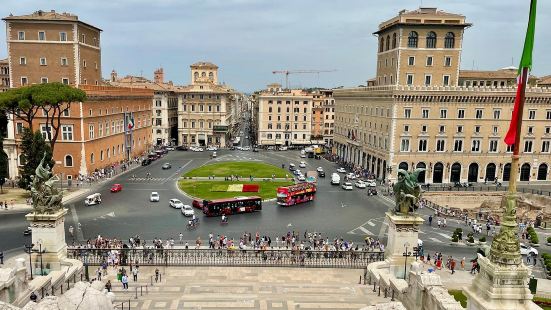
413 41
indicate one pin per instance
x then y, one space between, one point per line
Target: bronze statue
46 198
407 191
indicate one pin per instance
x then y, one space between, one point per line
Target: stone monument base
48 235
402 230
500 287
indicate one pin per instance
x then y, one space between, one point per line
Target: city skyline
236 35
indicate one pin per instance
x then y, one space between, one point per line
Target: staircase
244 288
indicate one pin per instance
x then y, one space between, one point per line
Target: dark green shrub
482 239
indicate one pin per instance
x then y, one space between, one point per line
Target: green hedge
482 239
547 261
532 235
549 239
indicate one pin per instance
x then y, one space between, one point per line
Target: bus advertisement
294 194
229 206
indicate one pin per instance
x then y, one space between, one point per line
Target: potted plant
470 239
456 236
549 240
482 240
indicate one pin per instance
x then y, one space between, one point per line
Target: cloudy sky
248 39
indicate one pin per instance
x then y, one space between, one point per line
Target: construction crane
287 72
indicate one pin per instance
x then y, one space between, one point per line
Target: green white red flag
524 67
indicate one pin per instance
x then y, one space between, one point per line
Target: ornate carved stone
46 198
505 248
407 191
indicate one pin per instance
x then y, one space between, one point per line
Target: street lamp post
85 256
40 251
406 255
28 250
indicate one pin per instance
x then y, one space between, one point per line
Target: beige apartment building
205 108
284 117
454 131
52 47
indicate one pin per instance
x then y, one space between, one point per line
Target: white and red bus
229 206
293 194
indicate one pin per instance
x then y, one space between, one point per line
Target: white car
351 176
283 148
175 203
341 170
302 155
319 169
169 148
371 183
187 210
527 250
360 184
347 186
301 178
302 164
212 148
154 197
246 148
200 149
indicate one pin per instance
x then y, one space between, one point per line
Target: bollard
136 296
141 290
386 292
151 280
374 289
392 299
379 290
360 280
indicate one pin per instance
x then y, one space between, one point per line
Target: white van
93 199
335 179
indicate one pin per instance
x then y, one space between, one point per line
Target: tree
4 170
53 98
33 147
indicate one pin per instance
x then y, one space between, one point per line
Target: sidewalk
67 195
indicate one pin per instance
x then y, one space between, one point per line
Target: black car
181 148
146 162
321 174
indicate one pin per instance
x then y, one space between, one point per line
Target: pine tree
33 147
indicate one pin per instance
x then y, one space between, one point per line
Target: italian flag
130 123
523 74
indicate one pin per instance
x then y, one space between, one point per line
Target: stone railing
54 284
419 291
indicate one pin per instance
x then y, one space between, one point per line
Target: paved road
351 215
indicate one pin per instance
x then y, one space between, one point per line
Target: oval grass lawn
213 189
239 168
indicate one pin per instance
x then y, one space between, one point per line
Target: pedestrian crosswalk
151 180
236 157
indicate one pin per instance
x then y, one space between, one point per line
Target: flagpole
516 150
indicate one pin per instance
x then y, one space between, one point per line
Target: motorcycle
27 232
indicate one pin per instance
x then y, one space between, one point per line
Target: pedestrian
463 263
157 275
124 281
439 223
452 265
135 274
98 274
430 220
108 286
181 237
1 258
33 297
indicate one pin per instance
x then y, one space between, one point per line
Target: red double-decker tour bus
298 193
229 206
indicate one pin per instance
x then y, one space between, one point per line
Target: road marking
177 171
80 235
444 235
364 230
435 240
370 223
111 214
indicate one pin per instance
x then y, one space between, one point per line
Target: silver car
154 197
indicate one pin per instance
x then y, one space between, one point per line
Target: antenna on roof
473 65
